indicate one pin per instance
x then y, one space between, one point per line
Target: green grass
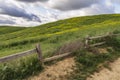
20 68
7 29
51 36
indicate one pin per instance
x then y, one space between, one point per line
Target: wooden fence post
87 41
110 34
39 52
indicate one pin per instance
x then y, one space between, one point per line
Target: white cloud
33 0
14 10
31 12
16 13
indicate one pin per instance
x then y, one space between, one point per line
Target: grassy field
51 36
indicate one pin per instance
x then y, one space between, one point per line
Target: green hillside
53 35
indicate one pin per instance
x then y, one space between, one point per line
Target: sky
36 12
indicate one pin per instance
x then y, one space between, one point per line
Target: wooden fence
39 52
33 51
88 39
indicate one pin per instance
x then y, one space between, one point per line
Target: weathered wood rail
88 39
39 52
17 55
97 44
56 57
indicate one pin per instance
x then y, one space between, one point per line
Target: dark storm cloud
15 11
66 5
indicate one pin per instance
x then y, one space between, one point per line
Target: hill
52 36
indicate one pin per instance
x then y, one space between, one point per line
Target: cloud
35 12
65 5
6 22
94 9
33 0
16 11
16 21
99 9
116 1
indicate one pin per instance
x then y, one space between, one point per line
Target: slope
53 35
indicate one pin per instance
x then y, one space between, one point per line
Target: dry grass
70 47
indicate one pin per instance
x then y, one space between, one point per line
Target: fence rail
56 57
87 39
17 55
97 44
91 38
108 34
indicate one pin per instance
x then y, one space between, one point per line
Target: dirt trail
61 69
57 71
106 74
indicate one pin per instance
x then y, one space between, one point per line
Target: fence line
87 39
39 51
